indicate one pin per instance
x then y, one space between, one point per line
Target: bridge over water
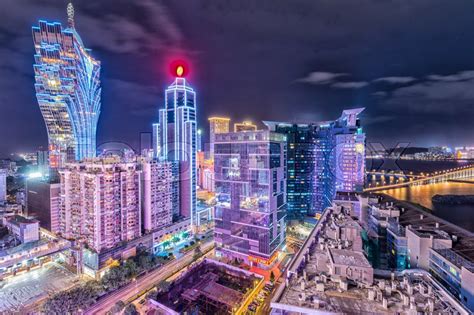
422 179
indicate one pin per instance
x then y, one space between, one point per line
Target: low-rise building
26 230
210 287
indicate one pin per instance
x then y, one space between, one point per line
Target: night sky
410 63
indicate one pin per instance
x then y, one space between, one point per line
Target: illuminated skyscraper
323 158
244 126
216 125
178 138
67 89
100 202
250 185
350 152
301 146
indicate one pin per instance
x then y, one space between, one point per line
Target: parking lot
21 290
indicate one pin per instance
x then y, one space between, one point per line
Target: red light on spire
179 71
179 68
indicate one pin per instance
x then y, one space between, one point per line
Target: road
22 292
145 282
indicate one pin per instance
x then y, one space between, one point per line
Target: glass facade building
301 152
250 180
178 140
323 158
67 84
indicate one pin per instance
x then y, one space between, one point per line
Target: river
462 215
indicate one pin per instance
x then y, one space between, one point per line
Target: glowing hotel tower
177 135
68 90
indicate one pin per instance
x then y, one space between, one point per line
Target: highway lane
145 282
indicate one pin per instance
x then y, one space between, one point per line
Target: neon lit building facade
67 89
250 179
100 202
178 140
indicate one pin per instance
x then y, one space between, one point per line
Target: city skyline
268 157
314 86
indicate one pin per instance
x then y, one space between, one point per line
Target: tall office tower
323 158
350 152
3 186
156 141
160 194
301 147
244 126
42 202
250 184
178 138
217 125
100 202
67 89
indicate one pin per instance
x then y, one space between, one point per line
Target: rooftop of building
463 240
349 257
18 219
252 135
312 287
346 196
425 232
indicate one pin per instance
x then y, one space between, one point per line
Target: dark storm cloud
408 62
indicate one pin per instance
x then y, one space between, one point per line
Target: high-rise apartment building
250 180
67 89
323 158
160 194
217 125
245 126
178 138
100 202
3 186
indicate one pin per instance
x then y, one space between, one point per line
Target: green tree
163 286
118 306
130 310
197 252
131 268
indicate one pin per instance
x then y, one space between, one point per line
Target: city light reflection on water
462 215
